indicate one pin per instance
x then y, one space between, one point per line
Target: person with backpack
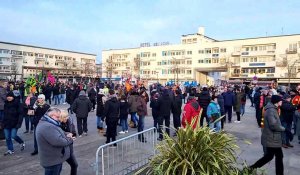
155 109
213 114
92 93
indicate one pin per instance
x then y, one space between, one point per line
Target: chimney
201 30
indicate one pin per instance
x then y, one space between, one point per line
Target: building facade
19 61
209 61
98 72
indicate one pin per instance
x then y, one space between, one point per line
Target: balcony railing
16 56
235 75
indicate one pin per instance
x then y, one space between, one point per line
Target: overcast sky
93 25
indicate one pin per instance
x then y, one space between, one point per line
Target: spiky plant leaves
195 151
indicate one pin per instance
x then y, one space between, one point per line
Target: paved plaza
247 133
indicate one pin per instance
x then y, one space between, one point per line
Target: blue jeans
215 126
56 99
53 170
242 109
285 138
99 123
10 134
141 123
124 123
28 119
62 98
134 118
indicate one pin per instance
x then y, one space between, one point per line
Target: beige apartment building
18 61
209 61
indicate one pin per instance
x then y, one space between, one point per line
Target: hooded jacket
133 103
82 106
165 105
287 111
229 99
54 145
12 117
203 99
191 110
100 105
111 110
271 133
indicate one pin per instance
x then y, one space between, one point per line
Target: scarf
51 120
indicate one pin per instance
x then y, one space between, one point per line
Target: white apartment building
209 61
18 61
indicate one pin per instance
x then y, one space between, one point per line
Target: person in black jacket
92 96
176 109
124 111
111 116
256 101
68 126
70 97
40 107
287 113
47 91
165 105
56 94
155 109
12 121
203 100
222 109
100 110
81 107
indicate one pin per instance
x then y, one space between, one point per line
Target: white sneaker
80 135
122 132
64 103
9 152
85 133
237 121
126 131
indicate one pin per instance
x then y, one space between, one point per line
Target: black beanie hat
10 94
275 99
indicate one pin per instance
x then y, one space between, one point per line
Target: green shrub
195 151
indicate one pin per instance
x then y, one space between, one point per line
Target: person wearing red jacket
191 110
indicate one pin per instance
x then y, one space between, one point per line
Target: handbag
30 112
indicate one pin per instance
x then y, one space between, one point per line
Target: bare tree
292 69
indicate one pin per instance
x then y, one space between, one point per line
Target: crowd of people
277 112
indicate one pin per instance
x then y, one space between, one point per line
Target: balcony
5 71
236 53
235 74
291 51
17 56
292 75
39 59
59 61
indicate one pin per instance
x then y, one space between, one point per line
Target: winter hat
42 96
81 93
275 99
10 94
286 96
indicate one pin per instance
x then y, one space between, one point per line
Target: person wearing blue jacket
229 101
213 113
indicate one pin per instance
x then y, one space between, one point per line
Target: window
188 71
245 70
4 51
158 63
189 52
236 71
200 61
56 64
245 59
215 60
207 51
36 62
184 41
15 52
223 50
189 62
201 51
247 48
153 54
207 60
271 70
164 53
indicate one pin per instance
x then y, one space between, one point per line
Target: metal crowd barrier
128 156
